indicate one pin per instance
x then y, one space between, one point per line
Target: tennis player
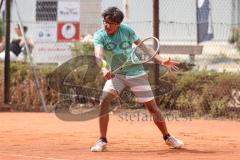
113 45
17 46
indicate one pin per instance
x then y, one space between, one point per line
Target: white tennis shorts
139 85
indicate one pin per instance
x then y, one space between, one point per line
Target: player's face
110 27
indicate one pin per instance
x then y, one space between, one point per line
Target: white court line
26 156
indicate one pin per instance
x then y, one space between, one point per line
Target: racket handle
116 70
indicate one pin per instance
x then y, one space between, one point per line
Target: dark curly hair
113 14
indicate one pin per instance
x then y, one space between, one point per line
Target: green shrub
186 103
218 108
200 93
82 48
22 87
208 93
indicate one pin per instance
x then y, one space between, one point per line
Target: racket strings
141 53
145 51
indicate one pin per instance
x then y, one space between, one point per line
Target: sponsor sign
68 31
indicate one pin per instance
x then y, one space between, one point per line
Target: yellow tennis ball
104 64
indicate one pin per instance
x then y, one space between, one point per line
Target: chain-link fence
58 28
47 21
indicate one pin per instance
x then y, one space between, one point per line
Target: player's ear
118 23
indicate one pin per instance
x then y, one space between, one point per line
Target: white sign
51 52
45 32
68 11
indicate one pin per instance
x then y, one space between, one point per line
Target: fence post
7 55
156 34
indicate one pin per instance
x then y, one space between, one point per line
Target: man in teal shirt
118 48
113 46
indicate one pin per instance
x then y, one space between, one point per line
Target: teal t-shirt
118 48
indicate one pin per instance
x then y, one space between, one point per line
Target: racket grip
116 70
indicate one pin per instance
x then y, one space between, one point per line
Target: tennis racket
142 53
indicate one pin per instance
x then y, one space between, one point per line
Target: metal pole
7 55
192 56
196 3
156 34
126 10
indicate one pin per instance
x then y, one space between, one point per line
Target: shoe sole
104 149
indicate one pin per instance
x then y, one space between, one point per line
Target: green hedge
206 93
197 93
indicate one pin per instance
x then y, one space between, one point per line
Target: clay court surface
27 136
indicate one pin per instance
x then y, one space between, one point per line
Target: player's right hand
107 74
171 65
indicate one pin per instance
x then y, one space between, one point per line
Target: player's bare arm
171 65
99 54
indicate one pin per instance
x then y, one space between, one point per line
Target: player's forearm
99 55
100 58
159 59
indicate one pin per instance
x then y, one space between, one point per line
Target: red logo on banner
68 31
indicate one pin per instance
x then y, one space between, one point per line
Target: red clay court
33 136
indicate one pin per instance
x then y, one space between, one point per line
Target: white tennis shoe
100 146
174 142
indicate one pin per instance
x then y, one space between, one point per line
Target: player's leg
110 91
143 92
161 124
157 116
105 102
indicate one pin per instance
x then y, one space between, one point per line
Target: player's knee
107 98
105 101
152 107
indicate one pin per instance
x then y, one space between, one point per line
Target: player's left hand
170 65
